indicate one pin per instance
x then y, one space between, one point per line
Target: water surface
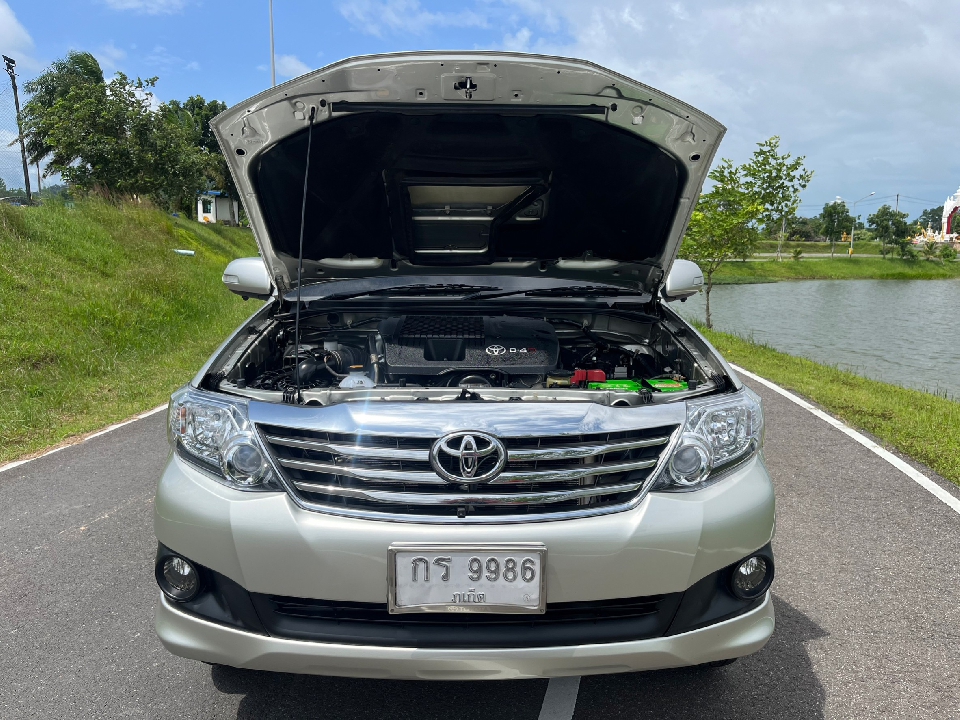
905 332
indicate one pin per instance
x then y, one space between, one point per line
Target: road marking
91 436
561 698
904 467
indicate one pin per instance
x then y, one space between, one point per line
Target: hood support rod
298 398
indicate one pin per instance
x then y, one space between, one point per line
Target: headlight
214 432
719 433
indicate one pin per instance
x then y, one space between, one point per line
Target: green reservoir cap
667 385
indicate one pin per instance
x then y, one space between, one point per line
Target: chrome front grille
545 478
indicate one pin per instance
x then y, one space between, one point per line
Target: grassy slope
857 268
101 319
921 425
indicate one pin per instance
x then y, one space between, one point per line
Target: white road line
904 467
110 428
561 698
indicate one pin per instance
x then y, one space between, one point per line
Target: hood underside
423 163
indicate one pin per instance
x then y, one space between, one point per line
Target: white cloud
519 41
110 56
405 16
166 62
868 91
289 66
148 7
15 41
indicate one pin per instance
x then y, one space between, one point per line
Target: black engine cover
435 344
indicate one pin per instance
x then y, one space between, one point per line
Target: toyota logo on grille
468 457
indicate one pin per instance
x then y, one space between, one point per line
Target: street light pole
10 65
854 228
273 59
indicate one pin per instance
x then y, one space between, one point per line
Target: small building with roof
214 206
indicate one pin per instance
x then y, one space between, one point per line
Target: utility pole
855 216
273 58
897 208
10 65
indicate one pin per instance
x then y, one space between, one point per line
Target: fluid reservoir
357 379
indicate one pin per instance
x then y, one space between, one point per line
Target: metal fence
11 165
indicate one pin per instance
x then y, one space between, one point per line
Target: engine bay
610 358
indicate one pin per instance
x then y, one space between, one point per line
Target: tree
723 225
835 220
106 135
890 228
196 113
199 112
930 250
77 68
932 217
803 229
776 181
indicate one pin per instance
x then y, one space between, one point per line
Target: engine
468 349
461 352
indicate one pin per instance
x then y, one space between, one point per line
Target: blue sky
868 91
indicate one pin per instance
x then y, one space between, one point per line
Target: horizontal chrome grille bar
374 452
581 471
419 477
573 452
366 452
415 498
413 477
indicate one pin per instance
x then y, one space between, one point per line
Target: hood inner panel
448 188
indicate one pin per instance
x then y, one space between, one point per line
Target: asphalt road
868 621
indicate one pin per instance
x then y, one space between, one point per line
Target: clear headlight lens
719 432
215 433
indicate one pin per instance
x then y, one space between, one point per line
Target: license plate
467 578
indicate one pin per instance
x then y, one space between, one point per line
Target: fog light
179 579
752 577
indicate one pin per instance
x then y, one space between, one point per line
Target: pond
905 332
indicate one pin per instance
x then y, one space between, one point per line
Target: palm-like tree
930 250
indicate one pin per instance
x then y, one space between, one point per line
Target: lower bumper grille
543 478
574 623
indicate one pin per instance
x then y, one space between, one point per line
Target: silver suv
465 437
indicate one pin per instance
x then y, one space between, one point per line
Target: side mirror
248 278
685 279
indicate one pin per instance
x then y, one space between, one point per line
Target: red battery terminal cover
584 376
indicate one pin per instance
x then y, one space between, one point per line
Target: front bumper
193 637
265 544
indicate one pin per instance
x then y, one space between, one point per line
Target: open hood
431 163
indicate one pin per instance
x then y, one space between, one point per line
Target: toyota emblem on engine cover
468 457
496 350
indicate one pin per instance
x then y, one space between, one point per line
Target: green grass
101 319
864 247
856 268
923 426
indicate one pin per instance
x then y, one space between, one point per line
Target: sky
868 92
